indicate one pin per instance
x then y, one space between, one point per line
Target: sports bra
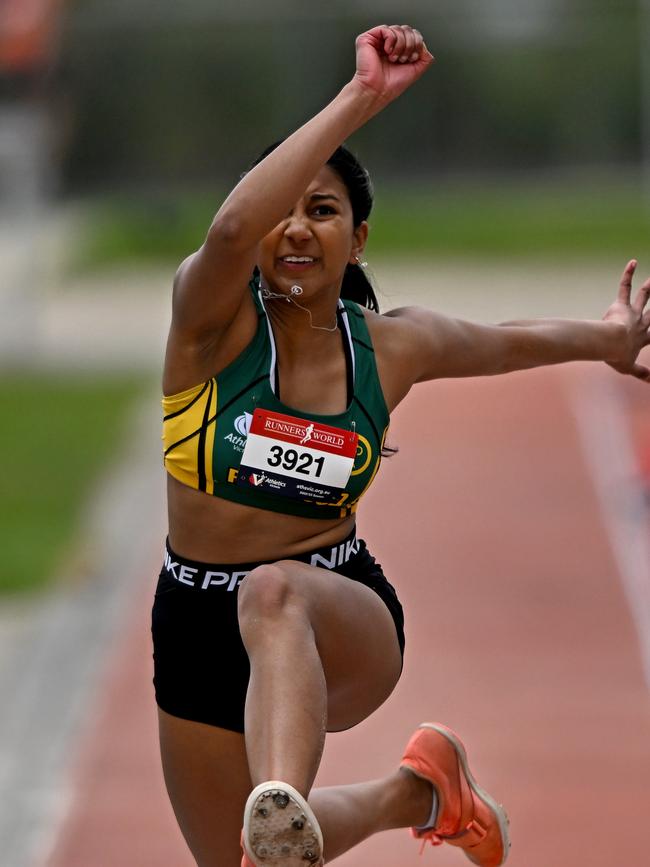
232 437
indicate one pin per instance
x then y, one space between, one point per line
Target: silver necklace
297 290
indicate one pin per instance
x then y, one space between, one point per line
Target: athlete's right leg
206 773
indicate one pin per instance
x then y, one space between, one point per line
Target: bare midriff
214 530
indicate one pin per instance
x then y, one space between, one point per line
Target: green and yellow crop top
232 437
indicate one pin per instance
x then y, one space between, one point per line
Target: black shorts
201 667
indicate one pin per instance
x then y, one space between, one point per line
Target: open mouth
297 263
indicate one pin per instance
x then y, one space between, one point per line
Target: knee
267 593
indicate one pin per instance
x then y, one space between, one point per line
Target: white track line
600 413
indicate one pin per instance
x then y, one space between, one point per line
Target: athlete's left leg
348 815
434 776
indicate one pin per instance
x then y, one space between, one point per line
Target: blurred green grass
60 432
496 219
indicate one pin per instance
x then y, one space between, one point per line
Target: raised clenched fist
390 58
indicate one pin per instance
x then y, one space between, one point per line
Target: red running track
518 636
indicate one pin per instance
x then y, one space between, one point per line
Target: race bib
296 457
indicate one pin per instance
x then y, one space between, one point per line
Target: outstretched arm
211 283
438 346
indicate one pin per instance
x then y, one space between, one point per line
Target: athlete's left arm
435 346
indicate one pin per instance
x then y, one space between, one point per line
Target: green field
58 434
495 219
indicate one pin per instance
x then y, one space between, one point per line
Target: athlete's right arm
211 284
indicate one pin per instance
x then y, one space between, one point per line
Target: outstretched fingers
625 286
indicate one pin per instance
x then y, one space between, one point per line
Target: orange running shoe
467 816
280 829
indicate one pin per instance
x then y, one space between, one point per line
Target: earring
360 263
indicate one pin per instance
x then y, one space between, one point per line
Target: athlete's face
313 244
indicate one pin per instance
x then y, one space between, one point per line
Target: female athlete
272 622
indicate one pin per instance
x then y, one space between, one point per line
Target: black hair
356 286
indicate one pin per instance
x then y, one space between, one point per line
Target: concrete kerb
58 646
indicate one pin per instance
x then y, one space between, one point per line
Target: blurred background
512 181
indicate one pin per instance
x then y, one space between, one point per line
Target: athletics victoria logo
241 426
242 423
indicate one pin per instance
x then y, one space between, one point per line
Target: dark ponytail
356 286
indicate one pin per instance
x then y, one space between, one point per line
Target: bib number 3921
297 457
290 459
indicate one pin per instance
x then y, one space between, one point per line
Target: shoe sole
280 828
497 809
